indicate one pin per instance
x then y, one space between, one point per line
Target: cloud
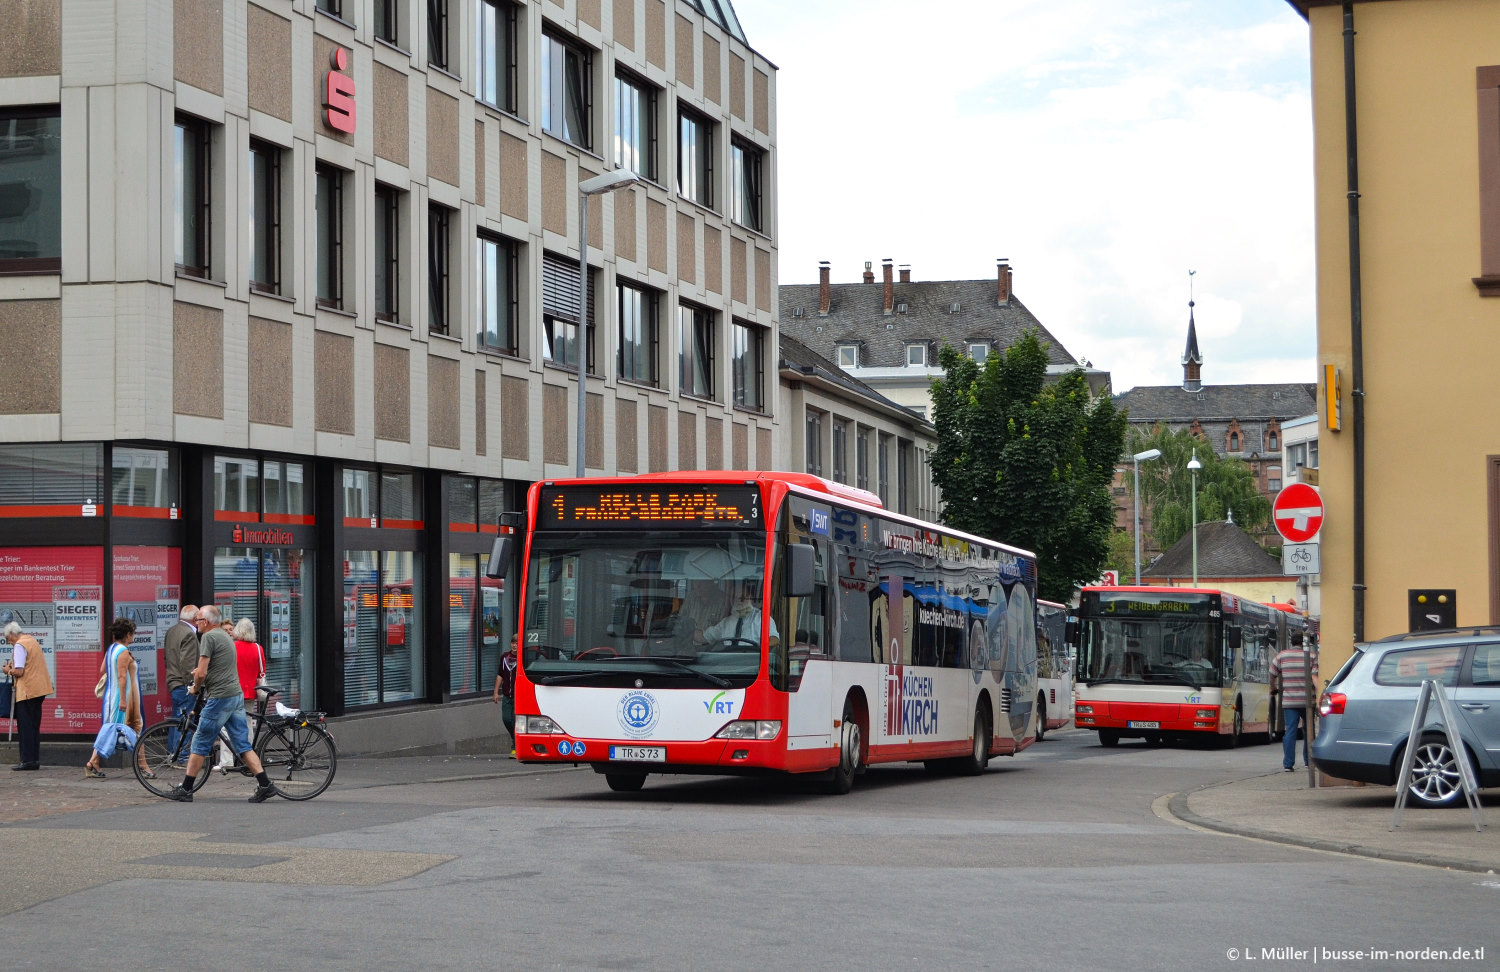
1105 148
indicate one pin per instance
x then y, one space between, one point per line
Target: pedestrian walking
505 693
28 668
217 677
180 646
1293 672
121 699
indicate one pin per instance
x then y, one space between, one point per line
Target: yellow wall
1431 343
1264 591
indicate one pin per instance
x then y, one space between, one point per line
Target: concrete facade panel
197 43
391 114
687 248
624 24
713 259
713 443
627 460
33 41
481 156
481 416
738 271
554 194
762 91
682 52
656 437
625 225
272 371
443 419
31 334
515 418
270 57
442 137
593 455
333 362
713 86
764 285
737 70
656 235
589 13
557 431
656 33
513 177
197 360
740 447
687 440
764 458
392 393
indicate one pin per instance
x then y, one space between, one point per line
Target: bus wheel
1109 738
625 782
1041 717
975 762
841 778
1238 731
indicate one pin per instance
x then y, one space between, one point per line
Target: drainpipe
1356 326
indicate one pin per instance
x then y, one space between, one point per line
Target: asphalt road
1064 857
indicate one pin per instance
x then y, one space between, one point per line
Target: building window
439 267
638 334
748 362
635 127
1234 442
387 253
31 200
848 356
498 310
696 339
745 172
495 53
903 473
695 154
862 458
388 21
978 351
883 469
1312 454
916 355
329 203
265 217
438 44
1273 441
560 294
335 7
840 463
194 197
815 442
567 96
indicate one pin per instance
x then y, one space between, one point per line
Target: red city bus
1164 662
758 622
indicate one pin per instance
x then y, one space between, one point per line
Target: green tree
1028 462
1225 484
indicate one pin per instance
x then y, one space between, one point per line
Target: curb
1177 806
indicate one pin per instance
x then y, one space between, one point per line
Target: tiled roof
856 313
1253 407
1224 550
799 357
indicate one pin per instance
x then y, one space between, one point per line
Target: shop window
383 659
143 482
273 588
31 172
236 485
36 582
247 488
400 501
479 621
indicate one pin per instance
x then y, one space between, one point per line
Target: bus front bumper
1134 717
721 756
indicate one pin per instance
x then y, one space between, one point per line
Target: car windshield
668 609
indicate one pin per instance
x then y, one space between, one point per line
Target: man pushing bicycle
217 677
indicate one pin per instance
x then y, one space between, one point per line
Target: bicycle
297 753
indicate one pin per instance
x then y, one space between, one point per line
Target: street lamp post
1193 466
1137 459
608 182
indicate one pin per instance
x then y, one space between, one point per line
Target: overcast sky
1106 147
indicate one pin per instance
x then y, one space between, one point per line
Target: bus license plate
639 754
1145 725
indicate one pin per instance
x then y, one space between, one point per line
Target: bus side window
809 620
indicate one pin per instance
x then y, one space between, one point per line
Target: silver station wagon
1367 709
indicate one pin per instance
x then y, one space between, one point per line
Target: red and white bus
1054 669
1164 662
761 622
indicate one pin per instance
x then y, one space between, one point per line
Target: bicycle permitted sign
1299 558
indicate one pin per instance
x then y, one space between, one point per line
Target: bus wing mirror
800 570
501 552
1070 633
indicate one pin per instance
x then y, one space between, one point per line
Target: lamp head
1148 454
1193 463
609 181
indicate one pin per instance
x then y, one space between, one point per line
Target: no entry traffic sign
1298 513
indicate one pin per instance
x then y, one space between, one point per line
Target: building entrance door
272 586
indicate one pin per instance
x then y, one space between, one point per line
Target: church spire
1192 358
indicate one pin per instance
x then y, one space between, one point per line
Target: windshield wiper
689 669
575 676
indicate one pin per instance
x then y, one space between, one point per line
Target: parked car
1368 705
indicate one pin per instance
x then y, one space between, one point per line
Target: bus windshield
675 609
1149 639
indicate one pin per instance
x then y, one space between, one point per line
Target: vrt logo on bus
638 713
716 707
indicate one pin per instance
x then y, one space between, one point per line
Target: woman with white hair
250 660
28 667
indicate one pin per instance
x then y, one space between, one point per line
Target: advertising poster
146 586
33 580
281 626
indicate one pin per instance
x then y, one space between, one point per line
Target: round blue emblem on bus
564 747
638 712
578 749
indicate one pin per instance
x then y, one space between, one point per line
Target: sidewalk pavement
1346 819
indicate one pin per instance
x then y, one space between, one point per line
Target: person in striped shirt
1294 675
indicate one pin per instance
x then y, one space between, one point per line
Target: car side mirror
800 570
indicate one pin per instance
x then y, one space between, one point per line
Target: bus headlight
1085 709
537 725
751 729
1208 714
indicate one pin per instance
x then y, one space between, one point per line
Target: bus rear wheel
625 782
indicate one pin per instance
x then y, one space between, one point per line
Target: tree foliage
1225 484
1026 462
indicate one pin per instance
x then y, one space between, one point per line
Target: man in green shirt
224 708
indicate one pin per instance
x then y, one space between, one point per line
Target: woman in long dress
122 690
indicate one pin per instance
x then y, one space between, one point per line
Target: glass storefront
273 587
383 659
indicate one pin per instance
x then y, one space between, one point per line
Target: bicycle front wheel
300 760
158 765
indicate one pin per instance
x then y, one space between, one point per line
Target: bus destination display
1145 604
631 506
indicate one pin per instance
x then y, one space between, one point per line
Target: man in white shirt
743 622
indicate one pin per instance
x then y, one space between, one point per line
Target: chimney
869 274
1002 282
890 290
906 273
822 288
